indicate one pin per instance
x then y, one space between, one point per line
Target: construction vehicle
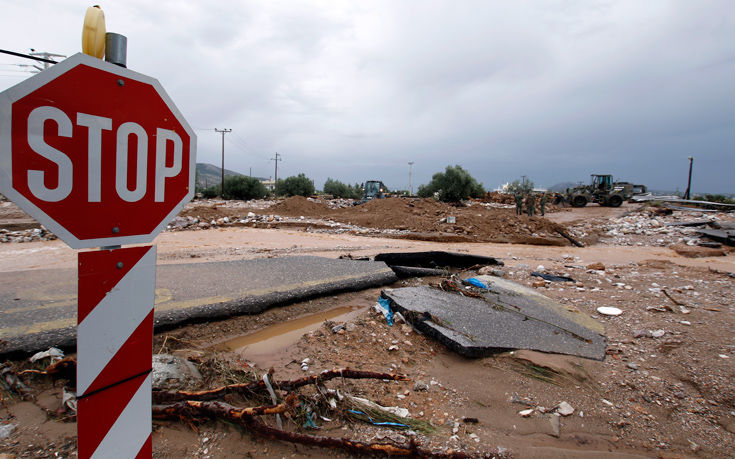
602 190
373 189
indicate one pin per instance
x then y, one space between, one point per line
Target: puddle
261 346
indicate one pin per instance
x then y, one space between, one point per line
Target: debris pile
28 235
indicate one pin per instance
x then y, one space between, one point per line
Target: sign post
102 157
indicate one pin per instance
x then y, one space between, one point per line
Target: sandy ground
665 388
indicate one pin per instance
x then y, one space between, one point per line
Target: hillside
209 174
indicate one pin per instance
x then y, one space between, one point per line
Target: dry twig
160 396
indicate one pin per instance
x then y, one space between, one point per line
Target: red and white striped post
114 362
90 138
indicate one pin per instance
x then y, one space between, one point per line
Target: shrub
341 190
299 185
244 188
518 188
452 185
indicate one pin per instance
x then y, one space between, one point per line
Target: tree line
452 185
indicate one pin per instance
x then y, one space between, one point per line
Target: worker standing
542 204
530 204
519 203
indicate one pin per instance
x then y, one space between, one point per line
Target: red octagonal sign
97 153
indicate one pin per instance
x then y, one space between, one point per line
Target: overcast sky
554 90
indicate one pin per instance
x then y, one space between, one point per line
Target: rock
609 311
540 268
6 430
564 409
657 333
639 334
555 425
170 371
596 266
251 215
489 270
526 413
632 366
420 386
728 423
538 284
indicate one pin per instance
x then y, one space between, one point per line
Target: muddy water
261 346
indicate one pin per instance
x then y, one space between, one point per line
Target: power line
34 56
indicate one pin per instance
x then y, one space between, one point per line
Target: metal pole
410 183
116 49
687 195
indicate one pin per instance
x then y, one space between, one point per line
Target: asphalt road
38 308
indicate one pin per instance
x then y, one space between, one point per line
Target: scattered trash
274 399
338 328
526 413
362 416
657 333
551 277
53 353
451 219
420 386
383 306
476 282
609 311
69 399
170 371
6 430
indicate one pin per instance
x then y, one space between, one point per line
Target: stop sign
96 153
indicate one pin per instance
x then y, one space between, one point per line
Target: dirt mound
298 205
423 219
426 216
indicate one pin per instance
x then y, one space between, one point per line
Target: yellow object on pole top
93 32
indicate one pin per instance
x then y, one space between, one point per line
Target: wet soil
664 390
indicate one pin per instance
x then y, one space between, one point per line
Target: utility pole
687 195
46 58
410 183
276 159
222 187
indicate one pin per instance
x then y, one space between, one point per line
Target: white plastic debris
658 333
69 399
52 352
6 430
526 413
609 311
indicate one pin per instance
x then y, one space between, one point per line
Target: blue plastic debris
388 424
477 283
384 305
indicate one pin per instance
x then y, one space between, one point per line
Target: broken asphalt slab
38 308
433 263
510 316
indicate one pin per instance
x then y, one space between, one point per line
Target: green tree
342 190
244 188
211 192
520 188
452 185
299 185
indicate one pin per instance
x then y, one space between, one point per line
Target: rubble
508 316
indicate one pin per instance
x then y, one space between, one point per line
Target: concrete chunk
510 316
